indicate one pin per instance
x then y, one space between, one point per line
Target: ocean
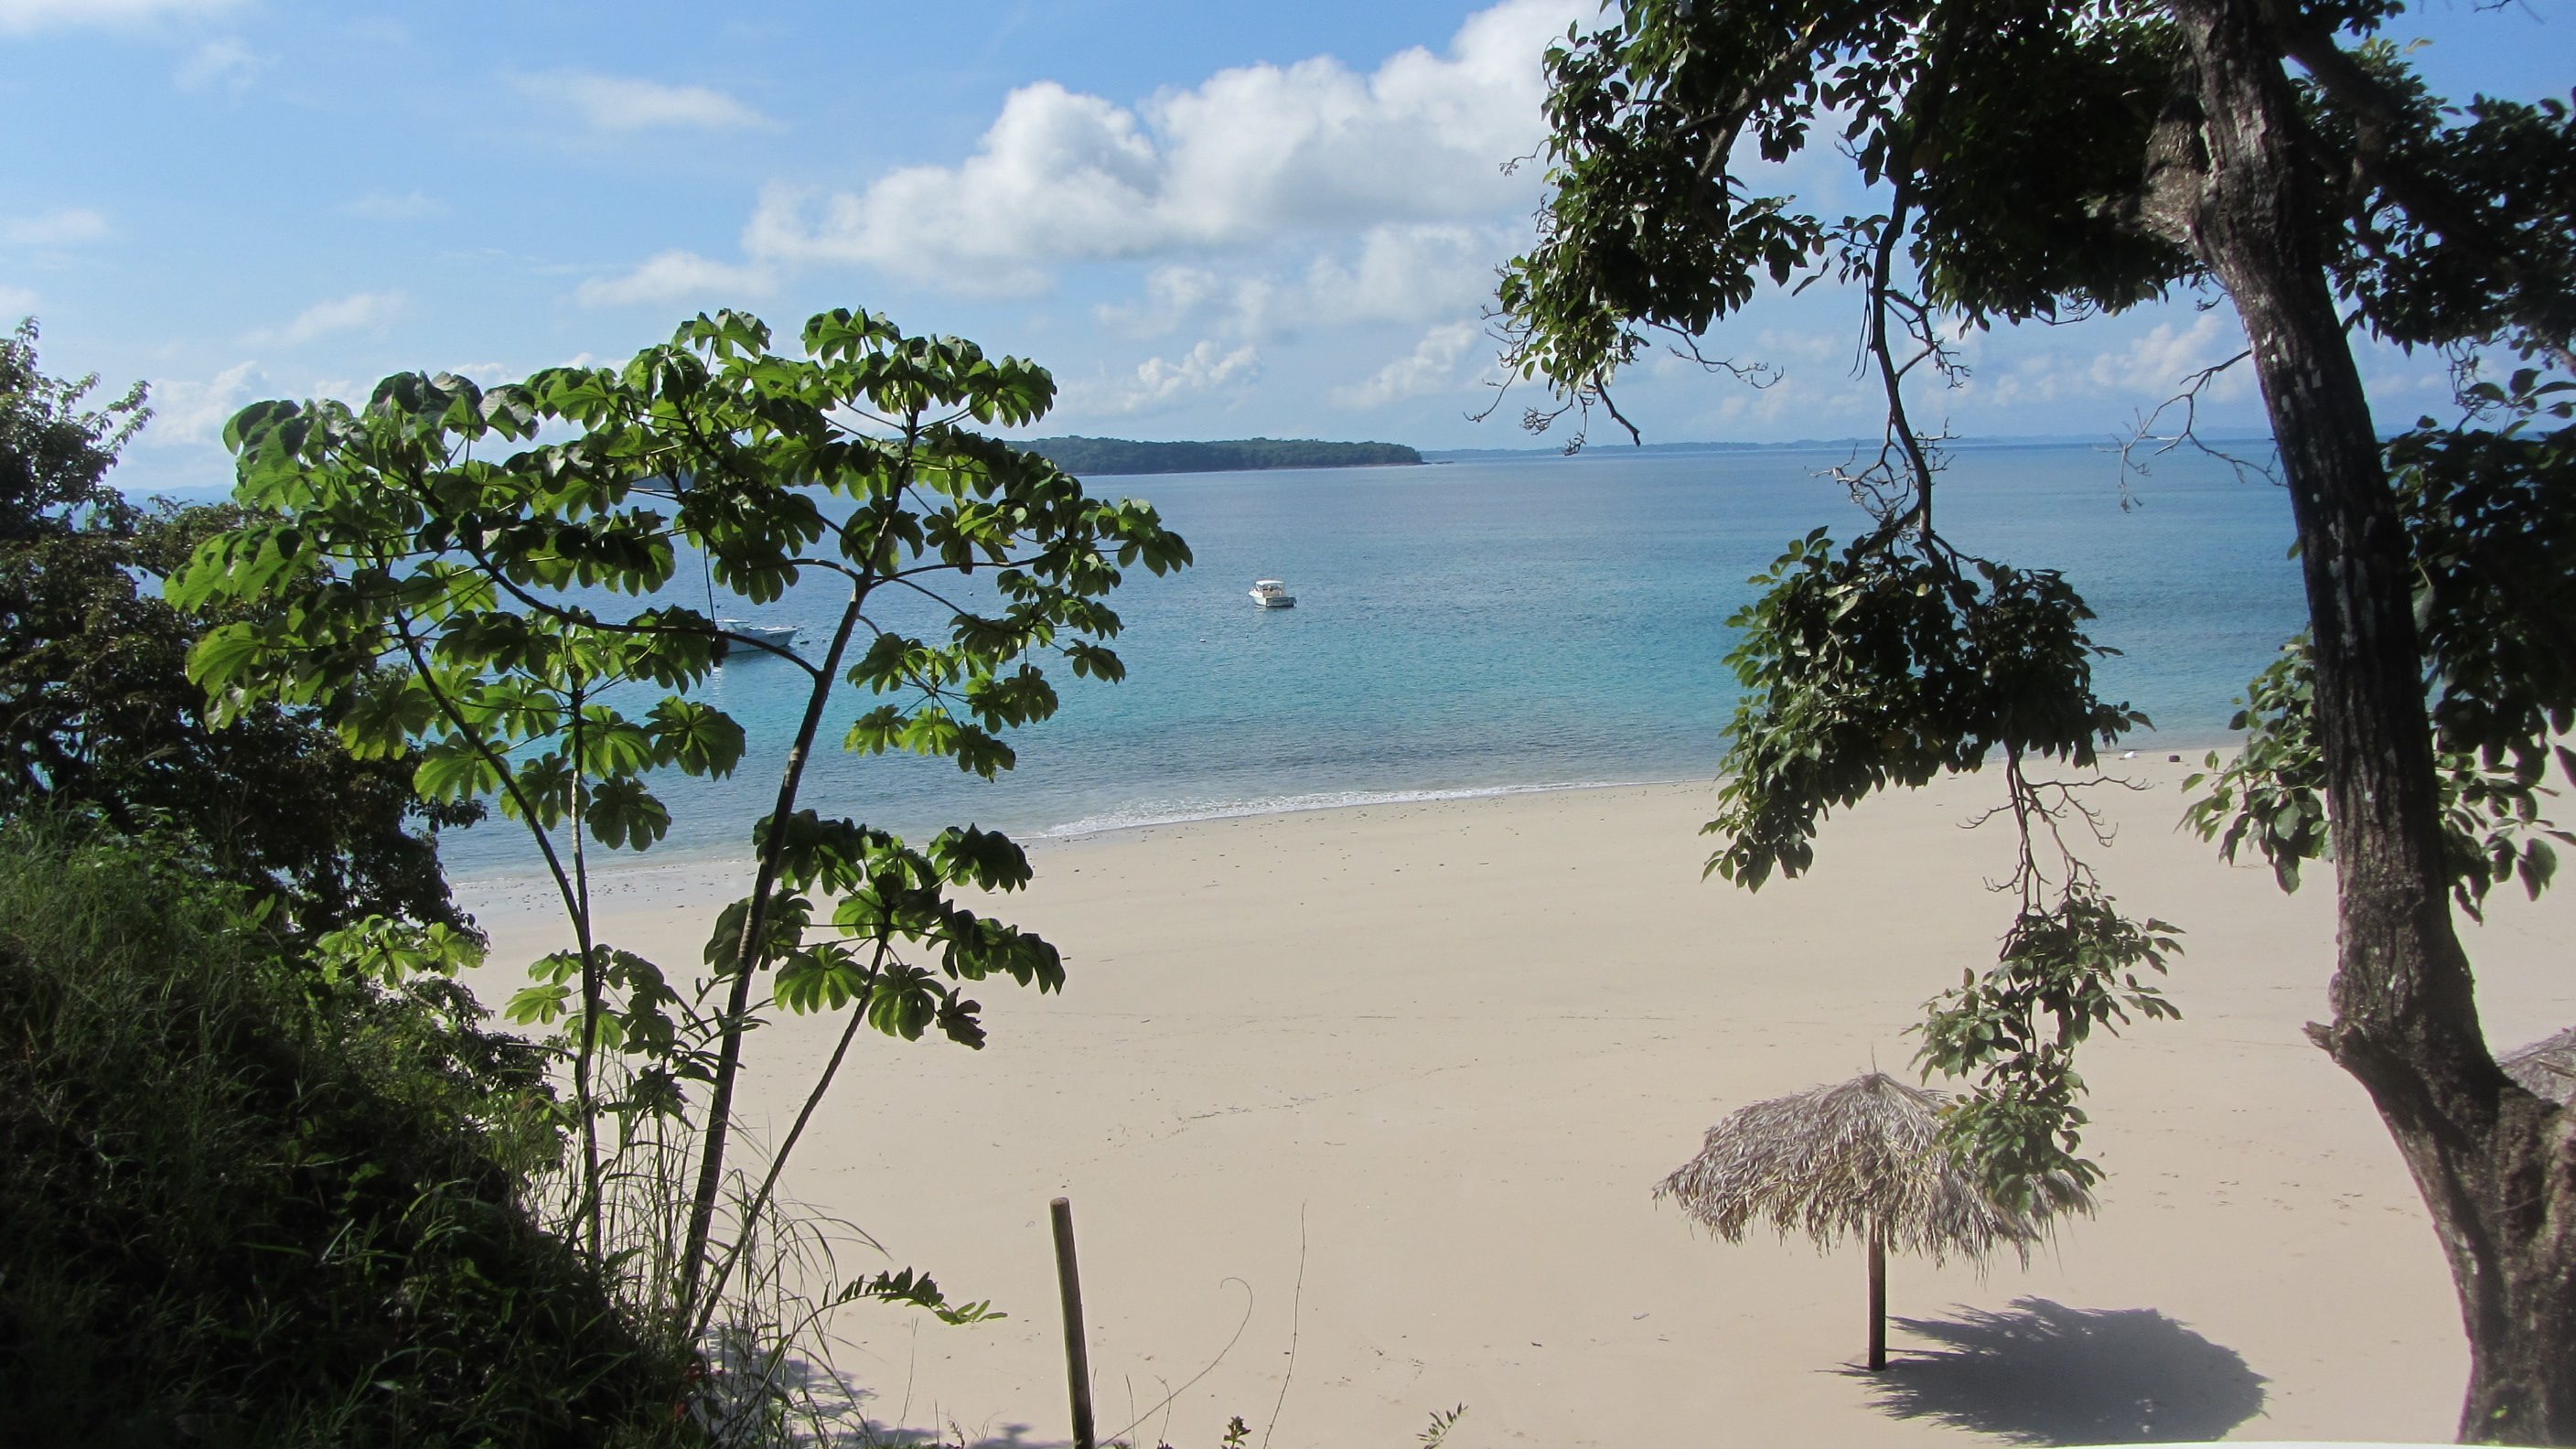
1498 625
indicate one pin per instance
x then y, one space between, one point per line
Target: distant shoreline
2103 441
1128 457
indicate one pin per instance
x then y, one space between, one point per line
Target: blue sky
1209 220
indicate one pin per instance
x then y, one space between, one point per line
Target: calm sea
1494 626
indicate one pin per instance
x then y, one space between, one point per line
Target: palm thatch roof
1840 1160
2545 1068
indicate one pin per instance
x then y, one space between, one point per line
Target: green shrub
244 1205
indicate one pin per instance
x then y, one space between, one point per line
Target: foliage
54 453
1436 1433
2270 794
96 709
440 570
2452 219
2017 144
1093 457
2273 791
1879 665
2490 517
1656 223
2064 970
250 1207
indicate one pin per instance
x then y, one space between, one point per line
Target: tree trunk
751 957
2496 1166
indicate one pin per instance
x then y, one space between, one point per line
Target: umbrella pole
1877 1298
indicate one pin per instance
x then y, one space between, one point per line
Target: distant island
1093 456
1622 447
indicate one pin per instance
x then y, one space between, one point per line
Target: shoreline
623 872
1109 828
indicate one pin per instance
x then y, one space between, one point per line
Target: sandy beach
1386 1089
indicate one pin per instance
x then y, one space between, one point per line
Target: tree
2038 159
96 709
440 571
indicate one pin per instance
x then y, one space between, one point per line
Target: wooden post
1877 1299
1077 1355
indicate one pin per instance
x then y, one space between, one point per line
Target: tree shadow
2044 1373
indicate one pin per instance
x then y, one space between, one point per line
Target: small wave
1187 812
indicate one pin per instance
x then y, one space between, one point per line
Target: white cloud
2141 373
623 103
1243 157
2165 358
673 276
1174 294
225 64
1409 274
1772 345
1203 369
340 314
62 227
15 302
21 16
386 206
186 412
1432 367
1399 273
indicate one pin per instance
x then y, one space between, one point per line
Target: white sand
1449 1047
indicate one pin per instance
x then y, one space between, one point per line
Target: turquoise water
1489 626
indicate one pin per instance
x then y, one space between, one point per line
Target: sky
1208 220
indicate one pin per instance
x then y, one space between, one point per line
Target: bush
247 1205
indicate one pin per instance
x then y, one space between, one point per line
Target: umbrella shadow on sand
2044 1373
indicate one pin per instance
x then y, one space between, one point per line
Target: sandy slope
1442 1051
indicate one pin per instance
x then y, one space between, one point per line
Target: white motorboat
1272 594
776 636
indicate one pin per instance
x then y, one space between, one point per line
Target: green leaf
541 1005
698 737
453 770
903 1001
622 813
380 719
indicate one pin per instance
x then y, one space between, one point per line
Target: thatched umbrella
1858 1160
2547 1067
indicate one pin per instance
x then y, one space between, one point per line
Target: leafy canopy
96 709
2042 161
433 551
446 573
2489 507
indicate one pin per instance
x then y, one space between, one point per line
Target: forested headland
1126 455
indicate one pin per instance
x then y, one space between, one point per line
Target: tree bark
2495 1165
